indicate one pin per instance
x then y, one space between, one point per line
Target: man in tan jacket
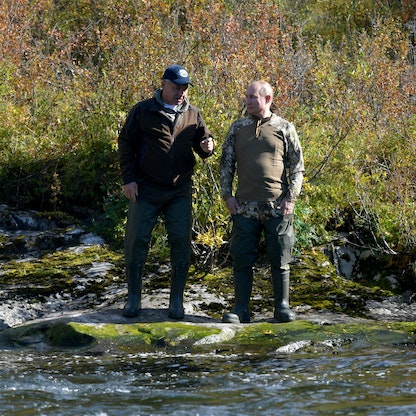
264 151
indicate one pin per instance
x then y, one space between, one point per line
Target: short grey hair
265 88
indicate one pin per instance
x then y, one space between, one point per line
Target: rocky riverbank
52 268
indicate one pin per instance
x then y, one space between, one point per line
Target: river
358 381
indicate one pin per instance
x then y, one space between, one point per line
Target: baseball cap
177 74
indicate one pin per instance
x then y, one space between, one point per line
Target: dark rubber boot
280 280
243 283
177 287
134 285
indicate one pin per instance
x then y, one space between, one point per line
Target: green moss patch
60 271
148 335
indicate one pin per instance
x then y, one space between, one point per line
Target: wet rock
11 219
385 268
185 337
392 309
24 233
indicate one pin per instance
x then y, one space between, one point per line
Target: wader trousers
245 238
174 204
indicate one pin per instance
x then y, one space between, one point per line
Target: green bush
71 71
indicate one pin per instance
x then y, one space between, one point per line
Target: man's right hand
130 191
232 205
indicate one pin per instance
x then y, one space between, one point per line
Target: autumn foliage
344 74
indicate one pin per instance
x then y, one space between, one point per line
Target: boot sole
284 319
176 317
131 314
233 318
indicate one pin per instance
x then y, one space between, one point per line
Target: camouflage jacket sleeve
294 163
228 164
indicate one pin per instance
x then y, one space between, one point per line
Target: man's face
255 103
173 94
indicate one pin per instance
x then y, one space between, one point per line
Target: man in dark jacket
156 152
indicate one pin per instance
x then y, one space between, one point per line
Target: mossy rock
181 337
58 335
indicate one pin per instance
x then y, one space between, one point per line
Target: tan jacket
267 157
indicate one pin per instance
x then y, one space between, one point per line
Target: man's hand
232 205
286 206
207 145
130 191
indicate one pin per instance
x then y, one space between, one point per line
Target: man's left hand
287 207
207 145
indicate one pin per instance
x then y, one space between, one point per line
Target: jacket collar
178 109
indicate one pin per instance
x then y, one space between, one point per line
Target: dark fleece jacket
157 145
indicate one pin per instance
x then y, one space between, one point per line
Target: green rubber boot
177 288
243 283
134 286
280 281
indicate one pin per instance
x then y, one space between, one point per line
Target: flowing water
377 381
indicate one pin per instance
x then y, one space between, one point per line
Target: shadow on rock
146 315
